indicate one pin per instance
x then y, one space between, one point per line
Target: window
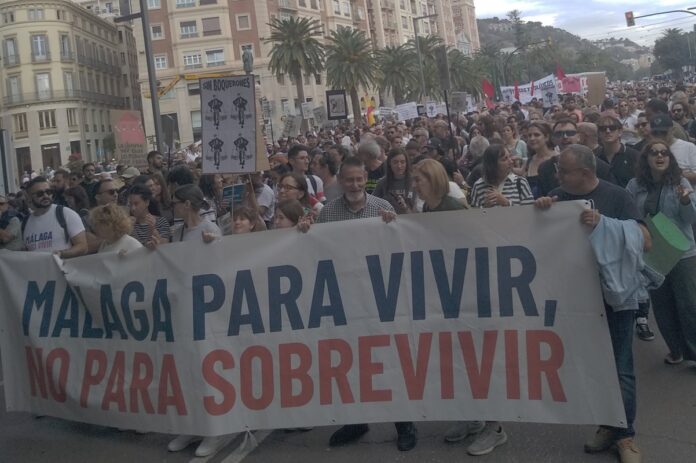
192 61
211 26
39 48
281 79
313 4
208 2
243 22
14 92
47 119
302 3
156 31
188 29
194 89
8 18
337 7
65 49
402 4
284 15
84 120
404 22
306 79
317 79
20 122
161 62
68 83
196 119
215 57
10 52
94 119
346 8
72 117
36 14
43 85
152 4
123 58
185 3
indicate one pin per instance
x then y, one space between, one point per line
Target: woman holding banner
660 187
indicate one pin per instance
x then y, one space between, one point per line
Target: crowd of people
631 158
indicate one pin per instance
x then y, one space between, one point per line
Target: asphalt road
666 427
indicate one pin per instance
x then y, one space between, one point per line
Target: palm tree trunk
299 84
355 101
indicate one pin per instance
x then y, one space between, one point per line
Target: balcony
189 35
11 60
185 3
193 66
212 64
66 56
41 58
52 96
288 4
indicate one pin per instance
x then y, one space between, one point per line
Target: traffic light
630 21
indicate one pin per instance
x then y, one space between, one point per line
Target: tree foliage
672 50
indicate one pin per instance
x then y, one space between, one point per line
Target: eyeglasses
565 133
677 110
111 191
663 153
608 128
284 187
40 193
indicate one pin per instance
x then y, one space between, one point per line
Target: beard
354 197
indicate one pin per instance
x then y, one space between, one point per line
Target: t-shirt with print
374 176
43 233
610 200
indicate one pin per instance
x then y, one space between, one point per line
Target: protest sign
129 136
229 138
336 105
406 111
412 324
291 128
458 102
307 110
320 116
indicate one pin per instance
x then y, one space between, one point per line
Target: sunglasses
40 193
565 133
608 128
663 153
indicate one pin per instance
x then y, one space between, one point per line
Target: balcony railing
185 4
288 4
11 60
67 56
41 58
193 66
189 35
36 97
212 64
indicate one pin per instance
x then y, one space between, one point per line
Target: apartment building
198 38
465 27
62 76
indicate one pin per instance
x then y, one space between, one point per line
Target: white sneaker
181 442
212 445
488 439
461 429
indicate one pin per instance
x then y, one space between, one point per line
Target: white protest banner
406 111
229 124
415 323
458 102
291 128
307 110
320 116
386 113
545 89
434 108
525 93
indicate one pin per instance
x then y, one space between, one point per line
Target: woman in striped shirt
498 185
145 215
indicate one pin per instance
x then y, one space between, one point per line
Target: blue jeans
621 333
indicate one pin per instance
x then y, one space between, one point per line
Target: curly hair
644 173
112 217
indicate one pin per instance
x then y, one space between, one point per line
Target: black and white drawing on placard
229 124
336 104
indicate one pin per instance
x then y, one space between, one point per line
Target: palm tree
427 46
466 74
296 51
398 71
350 63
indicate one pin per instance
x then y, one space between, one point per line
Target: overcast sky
596 19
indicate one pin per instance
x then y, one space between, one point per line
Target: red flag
560 75
517 91
487 88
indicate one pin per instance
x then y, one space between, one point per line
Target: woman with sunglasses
660 187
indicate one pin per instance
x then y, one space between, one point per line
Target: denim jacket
682 215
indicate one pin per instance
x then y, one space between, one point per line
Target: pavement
666 427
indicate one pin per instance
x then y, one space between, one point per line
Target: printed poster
336 104
129 135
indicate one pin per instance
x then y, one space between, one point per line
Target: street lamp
420 61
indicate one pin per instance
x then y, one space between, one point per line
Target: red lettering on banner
479 374
92 378
170 377
141 382
114 386
549 367
446 366
414 377
247 376
368 369
38 372
37 376
229 396
512 364
59 393
301 373
339 373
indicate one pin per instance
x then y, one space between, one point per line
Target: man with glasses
52 228
106 192
643 131
420 136
621 159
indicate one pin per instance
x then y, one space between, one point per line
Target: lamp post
420 61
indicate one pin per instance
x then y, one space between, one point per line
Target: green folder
668 244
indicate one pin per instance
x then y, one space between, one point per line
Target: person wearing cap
661 128
621 159
127 176
657 106
10 227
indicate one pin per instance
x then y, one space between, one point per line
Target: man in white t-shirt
43 231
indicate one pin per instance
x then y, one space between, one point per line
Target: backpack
60 217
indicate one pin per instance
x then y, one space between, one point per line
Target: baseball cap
130 172
660 123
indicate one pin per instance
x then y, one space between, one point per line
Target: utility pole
151 72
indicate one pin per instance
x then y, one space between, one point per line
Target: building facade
465 27
62 77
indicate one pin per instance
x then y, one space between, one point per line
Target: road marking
238 454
